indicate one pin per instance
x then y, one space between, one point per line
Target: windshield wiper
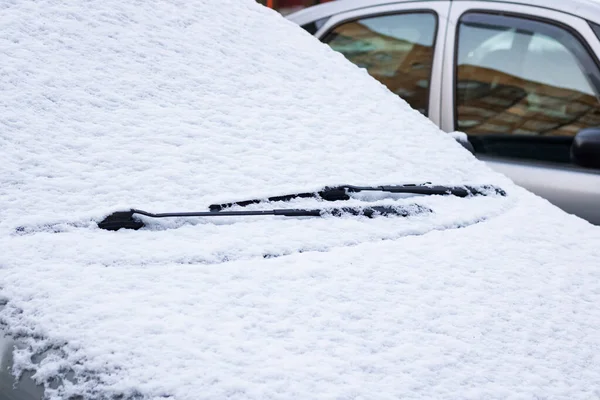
336 193
125 220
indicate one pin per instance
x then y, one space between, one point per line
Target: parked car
193 208
521 78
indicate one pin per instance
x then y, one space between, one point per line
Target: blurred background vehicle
288 6
521 78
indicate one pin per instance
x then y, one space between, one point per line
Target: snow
171 106
97 94
459 136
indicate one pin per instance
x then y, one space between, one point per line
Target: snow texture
170 105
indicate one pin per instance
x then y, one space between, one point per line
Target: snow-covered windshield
171 105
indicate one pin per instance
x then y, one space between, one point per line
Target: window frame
326 34
314 26
524 20
441 10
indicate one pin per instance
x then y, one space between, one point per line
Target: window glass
595 28
313 27
397 50
521 77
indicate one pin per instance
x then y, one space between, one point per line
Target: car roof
589 9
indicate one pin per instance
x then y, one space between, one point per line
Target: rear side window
396 49
313 27
524 88
595 28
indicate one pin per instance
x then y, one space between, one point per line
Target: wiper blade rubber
125 219
336 193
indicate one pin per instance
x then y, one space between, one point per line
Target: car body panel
22 389
325 10
588 8
576 190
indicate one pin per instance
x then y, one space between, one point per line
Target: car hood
502 302
172 106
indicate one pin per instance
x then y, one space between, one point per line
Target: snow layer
174 105
111 100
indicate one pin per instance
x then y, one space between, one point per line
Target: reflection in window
518 81
397 50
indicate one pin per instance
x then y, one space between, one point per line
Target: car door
399 45
522 81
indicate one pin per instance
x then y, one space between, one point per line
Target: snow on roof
173 105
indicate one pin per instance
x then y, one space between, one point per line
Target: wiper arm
336 193
125 220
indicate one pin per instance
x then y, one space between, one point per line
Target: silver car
521 78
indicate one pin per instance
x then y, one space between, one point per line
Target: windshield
124 219
170 107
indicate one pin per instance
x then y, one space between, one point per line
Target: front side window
523 88
397 50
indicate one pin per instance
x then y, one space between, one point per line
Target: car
521 78
193 207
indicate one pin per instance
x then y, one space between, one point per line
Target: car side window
523 87
396 49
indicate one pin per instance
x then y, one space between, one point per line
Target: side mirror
467 145
585 150
463 139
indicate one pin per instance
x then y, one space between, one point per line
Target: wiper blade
336 193
125 219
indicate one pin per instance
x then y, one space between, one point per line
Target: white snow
174 105
460 136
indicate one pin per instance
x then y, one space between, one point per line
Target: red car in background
287 6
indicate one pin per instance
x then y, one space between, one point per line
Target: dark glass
530 80
397 50
313 27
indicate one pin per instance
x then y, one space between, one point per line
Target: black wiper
336 193
125 219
